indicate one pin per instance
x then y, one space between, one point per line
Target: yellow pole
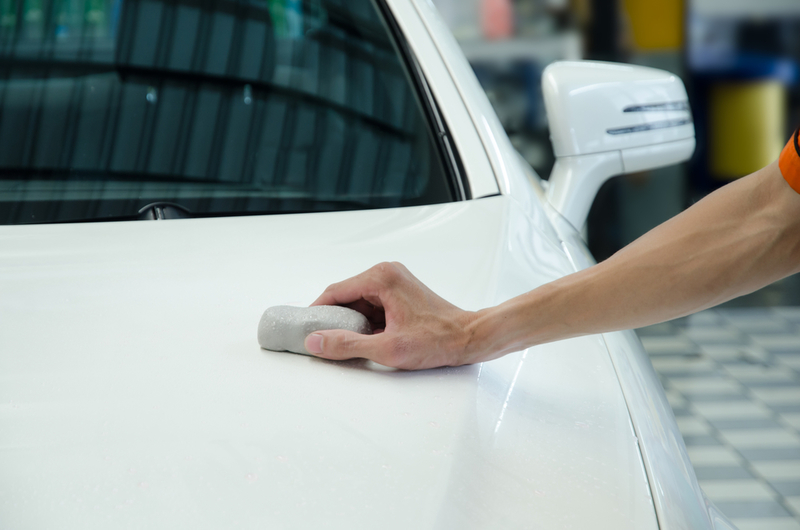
746 121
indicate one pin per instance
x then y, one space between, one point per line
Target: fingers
375 315
361 287
368 285
387 295
339 345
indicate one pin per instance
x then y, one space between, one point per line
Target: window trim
448 152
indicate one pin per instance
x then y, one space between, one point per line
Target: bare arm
738 239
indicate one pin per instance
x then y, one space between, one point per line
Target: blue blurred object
734 49
728 50
747 66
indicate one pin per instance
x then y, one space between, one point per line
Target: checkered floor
733 379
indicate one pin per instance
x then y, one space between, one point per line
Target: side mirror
609 119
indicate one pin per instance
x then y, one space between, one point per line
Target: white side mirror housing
610 119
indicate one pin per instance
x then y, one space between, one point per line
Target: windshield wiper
158 211
164 210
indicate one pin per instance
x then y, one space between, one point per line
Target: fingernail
314 343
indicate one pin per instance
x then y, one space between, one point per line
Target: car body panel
134 392
679 502
678 499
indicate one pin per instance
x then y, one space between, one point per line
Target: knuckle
389 273
382 268
400 267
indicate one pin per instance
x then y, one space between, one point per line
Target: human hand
414 328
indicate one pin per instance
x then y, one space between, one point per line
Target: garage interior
732 374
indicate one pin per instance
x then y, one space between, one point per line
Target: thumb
340 344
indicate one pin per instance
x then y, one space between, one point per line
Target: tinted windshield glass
221 107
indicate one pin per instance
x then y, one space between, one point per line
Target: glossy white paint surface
586 99
679 501
681 504
133 392
718 518
655 156
608 119
575 181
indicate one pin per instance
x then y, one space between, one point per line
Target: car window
113 109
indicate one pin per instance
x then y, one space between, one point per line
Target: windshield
206 107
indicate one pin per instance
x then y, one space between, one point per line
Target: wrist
477 336
527 320
497 331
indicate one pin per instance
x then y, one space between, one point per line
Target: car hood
133 392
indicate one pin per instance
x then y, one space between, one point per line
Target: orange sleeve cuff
790 162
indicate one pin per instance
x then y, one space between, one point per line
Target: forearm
738 239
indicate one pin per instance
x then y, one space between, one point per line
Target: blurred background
738 58
732 374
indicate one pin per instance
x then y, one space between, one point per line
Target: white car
271 148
